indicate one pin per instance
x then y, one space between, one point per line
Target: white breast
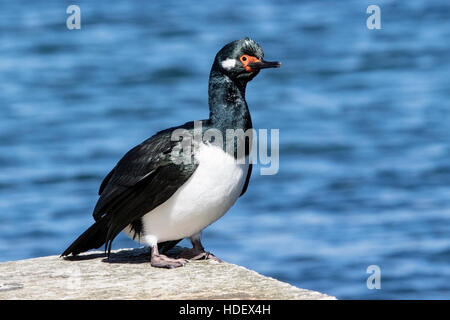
209 193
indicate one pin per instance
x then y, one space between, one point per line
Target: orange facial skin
246 60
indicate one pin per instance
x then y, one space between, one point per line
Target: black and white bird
159 201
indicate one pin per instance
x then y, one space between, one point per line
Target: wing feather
247 180
142 180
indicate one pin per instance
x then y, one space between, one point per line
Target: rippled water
363 116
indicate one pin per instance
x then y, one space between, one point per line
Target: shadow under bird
158 201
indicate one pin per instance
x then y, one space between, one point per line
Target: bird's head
242 60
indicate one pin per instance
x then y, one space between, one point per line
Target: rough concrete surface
129 275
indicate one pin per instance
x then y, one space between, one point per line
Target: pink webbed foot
196 254
162 261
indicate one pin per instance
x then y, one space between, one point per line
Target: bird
157 199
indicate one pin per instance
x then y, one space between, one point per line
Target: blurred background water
363 116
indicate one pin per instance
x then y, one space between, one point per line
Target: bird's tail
92 238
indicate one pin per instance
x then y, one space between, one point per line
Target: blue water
363 116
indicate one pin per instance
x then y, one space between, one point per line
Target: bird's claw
162 261
193 254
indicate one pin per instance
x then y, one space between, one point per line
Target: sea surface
363 116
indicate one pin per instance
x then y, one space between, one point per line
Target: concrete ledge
128 275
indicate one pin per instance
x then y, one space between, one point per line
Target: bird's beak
264 64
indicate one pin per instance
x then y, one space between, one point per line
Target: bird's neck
227 106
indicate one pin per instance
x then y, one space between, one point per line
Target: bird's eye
244 58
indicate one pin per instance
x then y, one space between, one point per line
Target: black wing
142 180
247 180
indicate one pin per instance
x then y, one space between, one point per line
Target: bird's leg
197 252
162 261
